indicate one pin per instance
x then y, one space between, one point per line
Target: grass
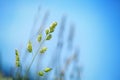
35 47
40 50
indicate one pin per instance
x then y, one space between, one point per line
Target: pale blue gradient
97 31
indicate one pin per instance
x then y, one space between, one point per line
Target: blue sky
97 31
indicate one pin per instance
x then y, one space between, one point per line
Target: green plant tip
39 38
48 37
43 50
16 52
47 69
29 47
47 31
52 27
41 73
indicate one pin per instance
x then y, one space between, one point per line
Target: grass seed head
17 63
29 46
47 69
17 58
39 38
41 73
52 27
47 31
16 52
43 50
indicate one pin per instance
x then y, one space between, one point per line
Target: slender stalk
34 57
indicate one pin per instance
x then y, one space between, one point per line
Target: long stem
34 57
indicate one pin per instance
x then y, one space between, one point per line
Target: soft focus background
97 33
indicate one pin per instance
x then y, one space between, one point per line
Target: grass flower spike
29 46
47 31
16 52
41 73
17 58
39 38
52 27
54 24
43 50
47 69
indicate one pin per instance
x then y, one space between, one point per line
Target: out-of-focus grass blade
71 36
57 53
35 22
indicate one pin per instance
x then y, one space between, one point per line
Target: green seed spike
47 69
43 50
29 47
48 37
17 58
17 64
41 73
39 38
16 52
47 31
52 26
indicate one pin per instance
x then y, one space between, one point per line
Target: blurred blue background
97 31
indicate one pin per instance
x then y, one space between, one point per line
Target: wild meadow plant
35 47
41 50
60 71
